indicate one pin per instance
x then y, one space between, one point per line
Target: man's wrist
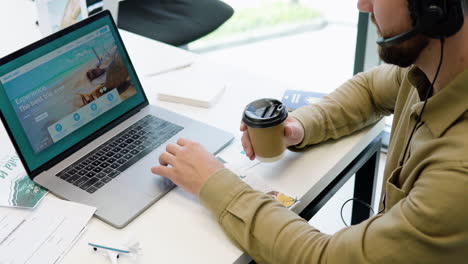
299 144
220 189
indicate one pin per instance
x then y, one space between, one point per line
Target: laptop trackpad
140 178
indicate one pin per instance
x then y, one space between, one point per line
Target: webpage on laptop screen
60 92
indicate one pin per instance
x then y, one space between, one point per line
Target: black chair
175 22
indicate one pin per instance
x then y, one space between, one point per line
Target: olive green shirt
426 199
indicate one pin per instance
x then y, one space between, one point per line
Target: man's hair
412 10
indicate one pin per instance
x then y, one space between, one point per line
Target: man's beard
404 54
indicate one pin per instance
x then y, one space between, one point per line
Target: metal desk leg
364 185
367 160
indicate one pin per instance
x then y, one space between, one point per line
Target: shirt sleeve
427 226
359 102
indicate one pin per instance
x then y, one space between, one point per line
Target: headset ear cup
435 12
413 10
437 18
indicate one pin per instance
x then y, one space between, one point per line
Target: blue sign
93 106
76 116
58 127
110 97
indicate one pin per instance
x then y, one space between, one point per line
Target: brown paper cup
265 124
267 142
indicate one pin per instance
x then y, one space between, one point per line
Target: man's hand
293 135
187 164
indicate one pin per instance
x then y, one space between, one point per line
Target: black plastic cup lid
264 113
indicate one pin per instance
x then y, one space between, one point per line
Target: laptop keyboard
119 153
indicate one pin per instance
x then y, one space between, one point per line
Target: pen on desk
108 248
180 67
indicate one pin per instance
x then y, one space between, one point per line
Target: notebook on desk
194 86
82 125
193 94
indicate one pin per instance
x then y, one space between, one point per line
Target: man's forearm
259 225
361 101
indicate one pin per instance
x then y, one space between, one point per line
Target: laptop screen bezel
72 149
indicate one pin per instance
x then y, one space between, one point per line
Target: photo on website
63 90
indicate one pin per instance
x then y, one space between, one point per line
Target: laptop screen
65 88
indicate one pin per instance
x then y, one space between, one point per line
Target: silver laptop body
107 120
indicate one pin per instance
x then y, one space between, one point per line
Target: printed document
42 235
16 188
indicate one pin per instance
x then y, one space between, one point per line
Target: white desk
177 229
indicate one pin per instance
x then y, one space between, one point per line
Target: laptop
82 125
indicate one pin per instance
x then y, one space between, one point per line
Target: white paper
150 63
9 223
235 159
16 188
42 235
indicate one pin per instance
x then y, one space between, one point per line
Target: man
424 215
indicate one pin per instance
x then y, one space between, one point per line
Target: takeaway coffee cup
265 124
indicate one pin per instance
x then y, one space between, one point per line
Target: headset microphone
436 19
432 15
388 42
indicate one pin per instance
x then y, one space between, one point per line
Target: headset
436 19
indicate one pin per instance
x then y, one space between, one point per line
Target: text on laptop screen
65 90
